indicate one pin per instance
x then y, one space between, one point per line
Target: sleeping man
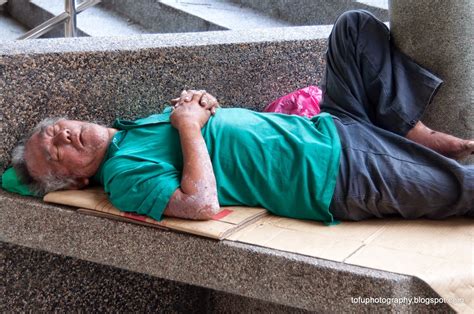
367 155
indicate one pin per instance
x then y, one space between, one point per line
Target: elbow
196 207
207 211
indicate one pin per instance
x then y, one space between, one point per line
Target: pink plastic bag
302 102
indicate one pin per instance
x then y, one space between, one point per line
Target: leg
368 79
383 174
448 145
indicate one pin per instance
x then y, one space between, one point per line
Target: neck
111 133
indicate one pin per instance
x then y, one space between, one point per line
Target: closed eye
52 131
53 153
57 155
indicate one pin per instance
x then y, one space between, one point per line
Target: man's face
67 148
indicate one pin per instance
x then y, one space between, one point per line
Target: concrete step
313 12
378 7
9 28
175 16
95 21
380 4
226 14
203 15
125 18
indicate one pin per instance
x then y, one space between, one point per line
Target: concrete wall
439 35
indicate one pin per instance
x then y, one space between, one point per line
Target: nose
62 137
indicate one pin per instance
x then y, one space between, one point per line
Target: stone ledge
154 41
38 281
250 271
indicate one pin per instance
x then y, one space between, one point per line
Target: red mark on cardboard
222 214
135 216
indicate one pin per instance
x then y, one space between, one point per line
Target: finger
209 101
204 101
197 96
212 101
213 110
174 101
211 98
193 92
183 94
190 94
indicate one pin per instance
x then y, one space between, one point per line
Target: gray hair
47 183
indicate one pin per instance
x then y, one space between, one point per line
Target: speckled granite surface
250 271
58 283
104 78
37 281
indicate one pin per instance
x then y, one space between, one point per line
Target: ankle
421 134
445 144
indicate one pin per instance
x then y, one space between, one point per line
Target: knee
360 19
356 17
352 24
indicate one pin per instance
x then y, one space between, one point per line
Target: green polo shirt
284 163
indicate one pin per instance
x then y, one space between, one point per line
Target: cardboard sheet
95 202
439 252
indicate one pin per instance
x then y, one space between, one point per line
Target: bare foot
445 144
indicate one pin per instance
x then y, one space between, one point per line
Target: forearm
197 197
198 175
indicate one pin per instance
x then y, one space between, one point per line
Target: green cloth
286 164
11 183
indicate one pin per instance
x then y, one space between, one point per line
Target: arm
197 196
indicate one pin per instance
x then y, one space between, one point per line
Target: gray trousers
376 95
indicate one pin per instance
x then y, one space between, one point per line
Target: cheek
97 143
95 136
73 158
60 170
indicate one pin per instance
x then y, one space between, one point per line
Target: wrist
189 126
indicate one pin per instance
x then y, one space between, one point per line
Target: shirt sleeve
144 188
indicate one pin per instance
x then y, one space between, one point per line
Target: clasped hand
193 109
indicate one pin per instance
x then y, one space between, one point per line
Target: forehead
36 154
61 122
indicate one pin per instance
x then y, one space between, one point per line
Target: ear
79 183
